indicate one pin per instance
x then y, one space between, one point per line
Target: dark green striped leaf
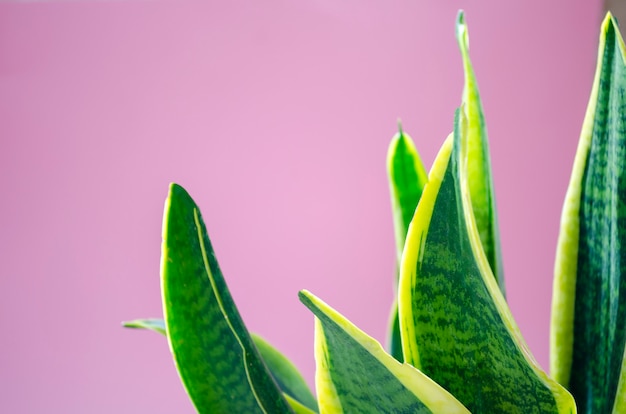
455 324
407 178
215 356
355 375
589 297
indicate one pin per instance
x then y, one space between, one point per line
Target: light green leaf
407 178
215 356
588 334
286 375
156 325
297 406
477 163
284 372
355 375
455 324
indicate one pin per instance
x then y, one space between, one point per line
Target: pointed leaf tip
212 349
355 374
461 30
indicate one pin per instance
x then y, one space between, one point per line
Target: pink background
276 118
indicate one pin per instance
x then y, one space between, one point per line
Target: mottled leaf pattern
216 359
589 296
455 323
355 375
476 161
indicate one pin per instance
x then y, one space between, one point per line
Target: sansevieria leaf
588 334
286 375
355 375
455 324
478 161
215 356
284 372
407 178
152 324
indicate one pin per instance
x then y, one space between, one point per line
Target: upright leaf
407 178
588 333
355 375
216 359
455 324
475 156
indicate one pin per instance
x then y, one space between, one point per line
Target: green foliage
453 344
589 295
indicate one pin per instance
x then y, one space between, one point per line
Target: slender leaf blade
475 154
214 354
156 325
455 324
407 178
394 338
588 332
355 375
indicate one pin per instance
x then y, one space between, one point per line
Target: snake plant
453 346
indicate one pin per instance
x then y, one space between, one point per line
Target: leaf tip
305 297
461 31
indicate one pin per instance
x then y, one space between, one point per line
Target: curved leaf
407 178
214 354
455 324
286 375
355 375
588 333
156 325
475 155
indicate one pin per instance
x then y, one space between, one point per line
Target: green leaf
284 372
214 354
297 407
394 338
355 375
286 375
455 324
588 333
477 163
156 325
407 178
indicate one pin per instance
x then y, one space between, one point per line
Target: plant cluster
454 346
